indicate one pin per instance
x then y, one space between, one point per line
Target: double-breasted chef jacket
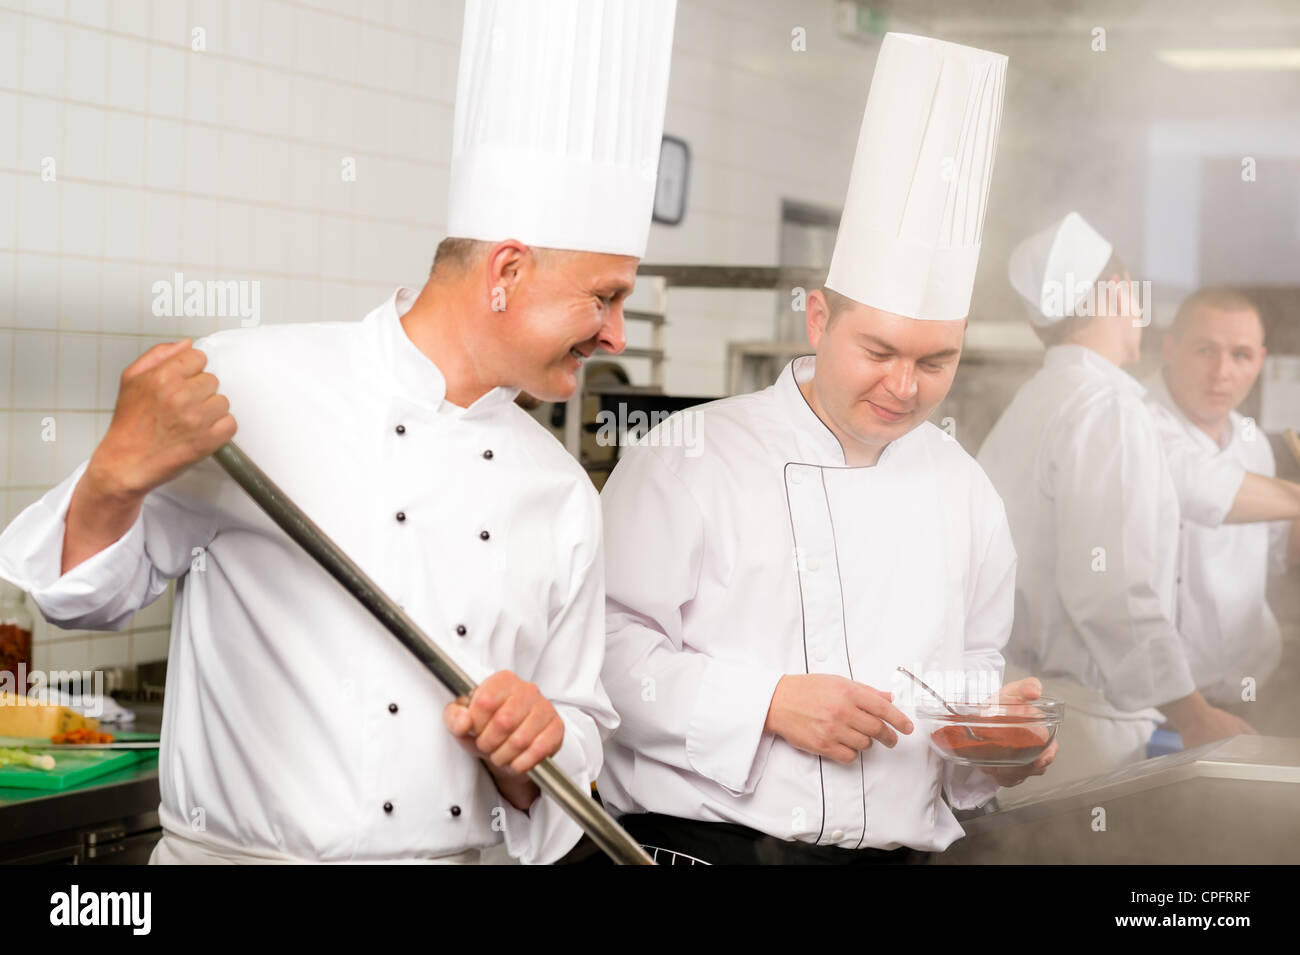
753 551
295 726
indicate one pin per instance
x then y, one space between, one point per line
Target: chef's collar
1061 356
413 374
817 442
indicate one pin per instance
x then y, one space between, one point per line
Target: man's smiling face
568 305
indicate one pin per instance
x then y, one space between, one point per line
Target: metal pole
595 822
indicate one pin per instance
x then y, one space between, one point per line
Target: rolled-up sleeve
1207 485
104 591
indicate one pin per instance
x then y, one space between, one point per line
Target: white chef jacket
292 716
757 553
1094 511
1228 630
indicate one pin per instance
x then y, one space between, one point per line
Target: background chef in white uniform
296 728
764 586
1213 353
1094 497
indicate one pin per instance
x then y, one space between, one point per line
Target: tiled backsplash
128 155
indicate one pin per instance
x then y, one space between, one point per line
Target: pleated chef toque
559 119
1053 270
909 238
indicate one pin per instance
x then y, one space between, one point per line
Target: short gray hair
455 256
1221 298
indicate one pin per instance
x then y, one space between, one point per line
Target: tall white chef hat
909 238
559 119
1053 270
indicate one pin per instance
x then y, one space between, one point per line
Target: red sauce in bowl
1000 744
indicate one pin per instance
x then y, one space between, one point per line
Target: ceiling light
1276 58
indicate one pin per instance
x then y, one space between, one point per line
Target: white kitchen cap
1054 270
559 119
909 239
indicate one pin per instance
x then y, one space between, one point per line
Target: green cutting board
73 767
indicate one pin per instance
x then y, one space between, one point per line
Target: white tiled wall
764 122
223 163
226 163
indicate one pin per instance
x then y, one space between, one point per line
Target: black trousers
680 841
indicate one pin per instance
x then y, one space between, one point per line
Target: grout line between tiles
222 127
287 71
214 197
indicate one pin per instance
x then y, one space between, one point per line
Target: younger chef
296 728
764 587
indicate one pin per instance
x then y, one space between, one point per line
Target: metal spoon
928 689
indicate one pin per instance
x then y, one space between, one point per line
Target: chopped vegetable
20 757
82 734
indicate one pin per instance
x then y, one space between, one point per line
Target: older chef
1213 354
295 727
764 586
1094 498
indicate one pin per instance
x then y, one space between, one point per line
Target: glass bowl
1005 734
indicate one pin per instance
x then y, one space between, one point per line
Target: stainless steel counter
111 819
1236 801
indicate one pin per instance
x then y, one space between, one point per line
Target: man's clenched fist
168 416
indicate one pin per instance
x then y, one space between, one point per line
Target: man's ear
816 317
506 265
